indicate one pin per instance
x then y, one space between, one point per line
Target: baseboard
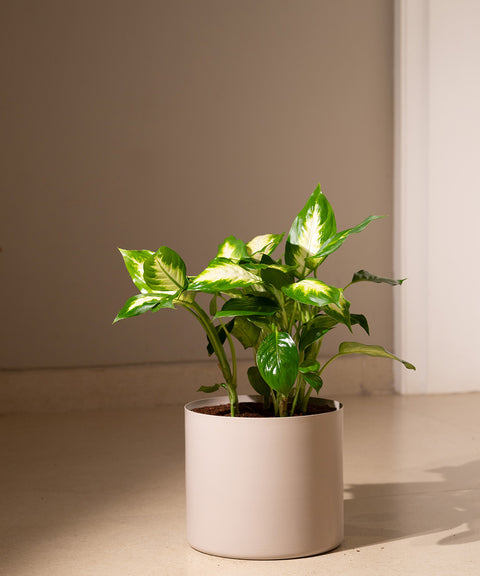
148 385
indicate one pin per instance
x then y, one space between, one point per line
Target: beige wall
140 124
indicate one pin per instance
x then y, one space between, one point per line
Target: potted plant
267 485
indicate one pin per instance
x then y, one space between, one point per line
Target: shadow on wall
379 513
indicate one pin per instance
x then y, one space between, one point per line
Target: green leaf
340 312
257 382
268 260
277 276
222 275
185 297
316 329
314 292
222 335
209 389
213 308
311 229
165 271
263 245
277 360
245 332
141 303
338 239
361 321
370 350
134 262
248 306
309 366
314 380
233 249
364 276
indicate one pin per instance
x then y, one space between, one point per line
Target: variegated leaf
338 239
263 245
233 249
165 271
312 228
340 311
370 350
141 303
314 292
222 275
134 262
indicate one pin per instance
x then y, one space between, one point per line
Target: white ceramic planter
263 488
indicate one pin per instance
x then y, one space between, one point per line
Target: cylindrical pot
264 488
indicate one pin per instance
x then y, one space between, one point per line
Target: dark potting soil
256 410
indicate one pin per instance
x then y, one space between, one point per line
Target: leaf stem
292 317
327 363
283 405
195 309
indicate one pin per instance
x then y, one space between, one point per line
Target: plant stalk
230 381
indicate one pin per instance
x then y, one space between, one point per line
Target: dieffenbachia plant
276 306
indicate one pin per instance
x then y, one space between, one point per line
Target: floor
101 493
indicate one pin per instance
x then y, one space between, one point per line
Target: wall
140 124
437 193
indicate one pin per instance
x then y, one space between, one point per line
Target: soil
256 410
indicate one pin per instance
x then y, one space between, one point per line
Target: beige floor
101 493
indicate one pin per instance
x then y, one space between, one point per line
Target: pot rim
190 406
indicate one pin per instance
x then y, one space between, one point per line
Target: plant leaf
314 380
263 245
222 275
370 350
340 312
165 271
311 229
134 261
213 308
141 303
361 321
277 360
364 276
248 306
314 292
245 332
339 238
277 276
209 389
233 249
222 335
316 329
309 366
257 382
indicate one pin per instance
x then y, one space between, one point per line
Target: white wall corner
411 191
437 194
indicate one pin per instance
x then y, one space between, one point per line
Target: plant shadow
380 513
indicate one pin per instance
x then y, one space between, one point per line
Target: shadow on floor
379 513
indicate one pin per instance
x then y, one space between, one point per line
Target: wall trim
149 385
